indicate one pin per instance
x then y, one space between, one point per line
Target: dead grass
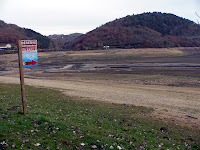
115 52
151 51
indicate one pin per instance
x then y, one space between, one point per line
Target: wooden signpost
27 58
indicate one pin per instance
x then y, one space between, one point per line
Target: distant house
106 47
5 46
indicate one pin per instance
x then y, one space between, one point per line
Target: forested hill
141 31
62 41
10 33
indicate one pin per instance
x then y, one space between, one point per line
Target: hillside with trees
62 41
147 30
10 33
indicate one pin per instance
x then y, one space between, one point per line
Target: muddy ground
172 67
167 80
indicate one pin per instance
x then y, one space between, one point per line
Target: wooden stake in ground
22 77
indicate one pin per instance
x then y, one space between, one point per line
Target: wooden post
22 77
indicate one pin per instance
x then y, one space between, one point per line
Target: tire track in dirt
168 101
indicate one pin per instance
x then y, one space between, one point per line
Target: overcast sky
69 16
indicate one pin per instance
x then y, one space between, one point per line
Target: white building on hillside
106 47
5 46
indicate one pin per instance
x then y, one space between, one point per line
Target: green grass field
57 121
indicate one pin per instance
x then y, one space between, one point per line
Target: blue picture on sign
30 58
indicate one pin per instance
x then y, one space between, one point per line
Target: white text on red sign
29 48
29 42
29 45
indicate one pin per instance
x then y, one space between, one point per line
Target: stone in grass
26 141
93 146
111 147
82 144
37 144
4 144
119 147
14 145
164 129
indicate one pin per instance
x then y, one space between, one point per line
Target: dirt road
172 103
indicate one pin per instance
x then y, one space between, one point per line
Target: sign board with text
29 53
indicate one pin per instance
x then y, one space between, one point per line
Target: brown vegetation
148 30
11 33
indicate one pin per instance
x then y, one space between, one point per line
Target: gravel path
180 103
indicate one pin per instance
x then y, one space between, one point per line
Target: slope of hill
10 33
62 41
140 31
